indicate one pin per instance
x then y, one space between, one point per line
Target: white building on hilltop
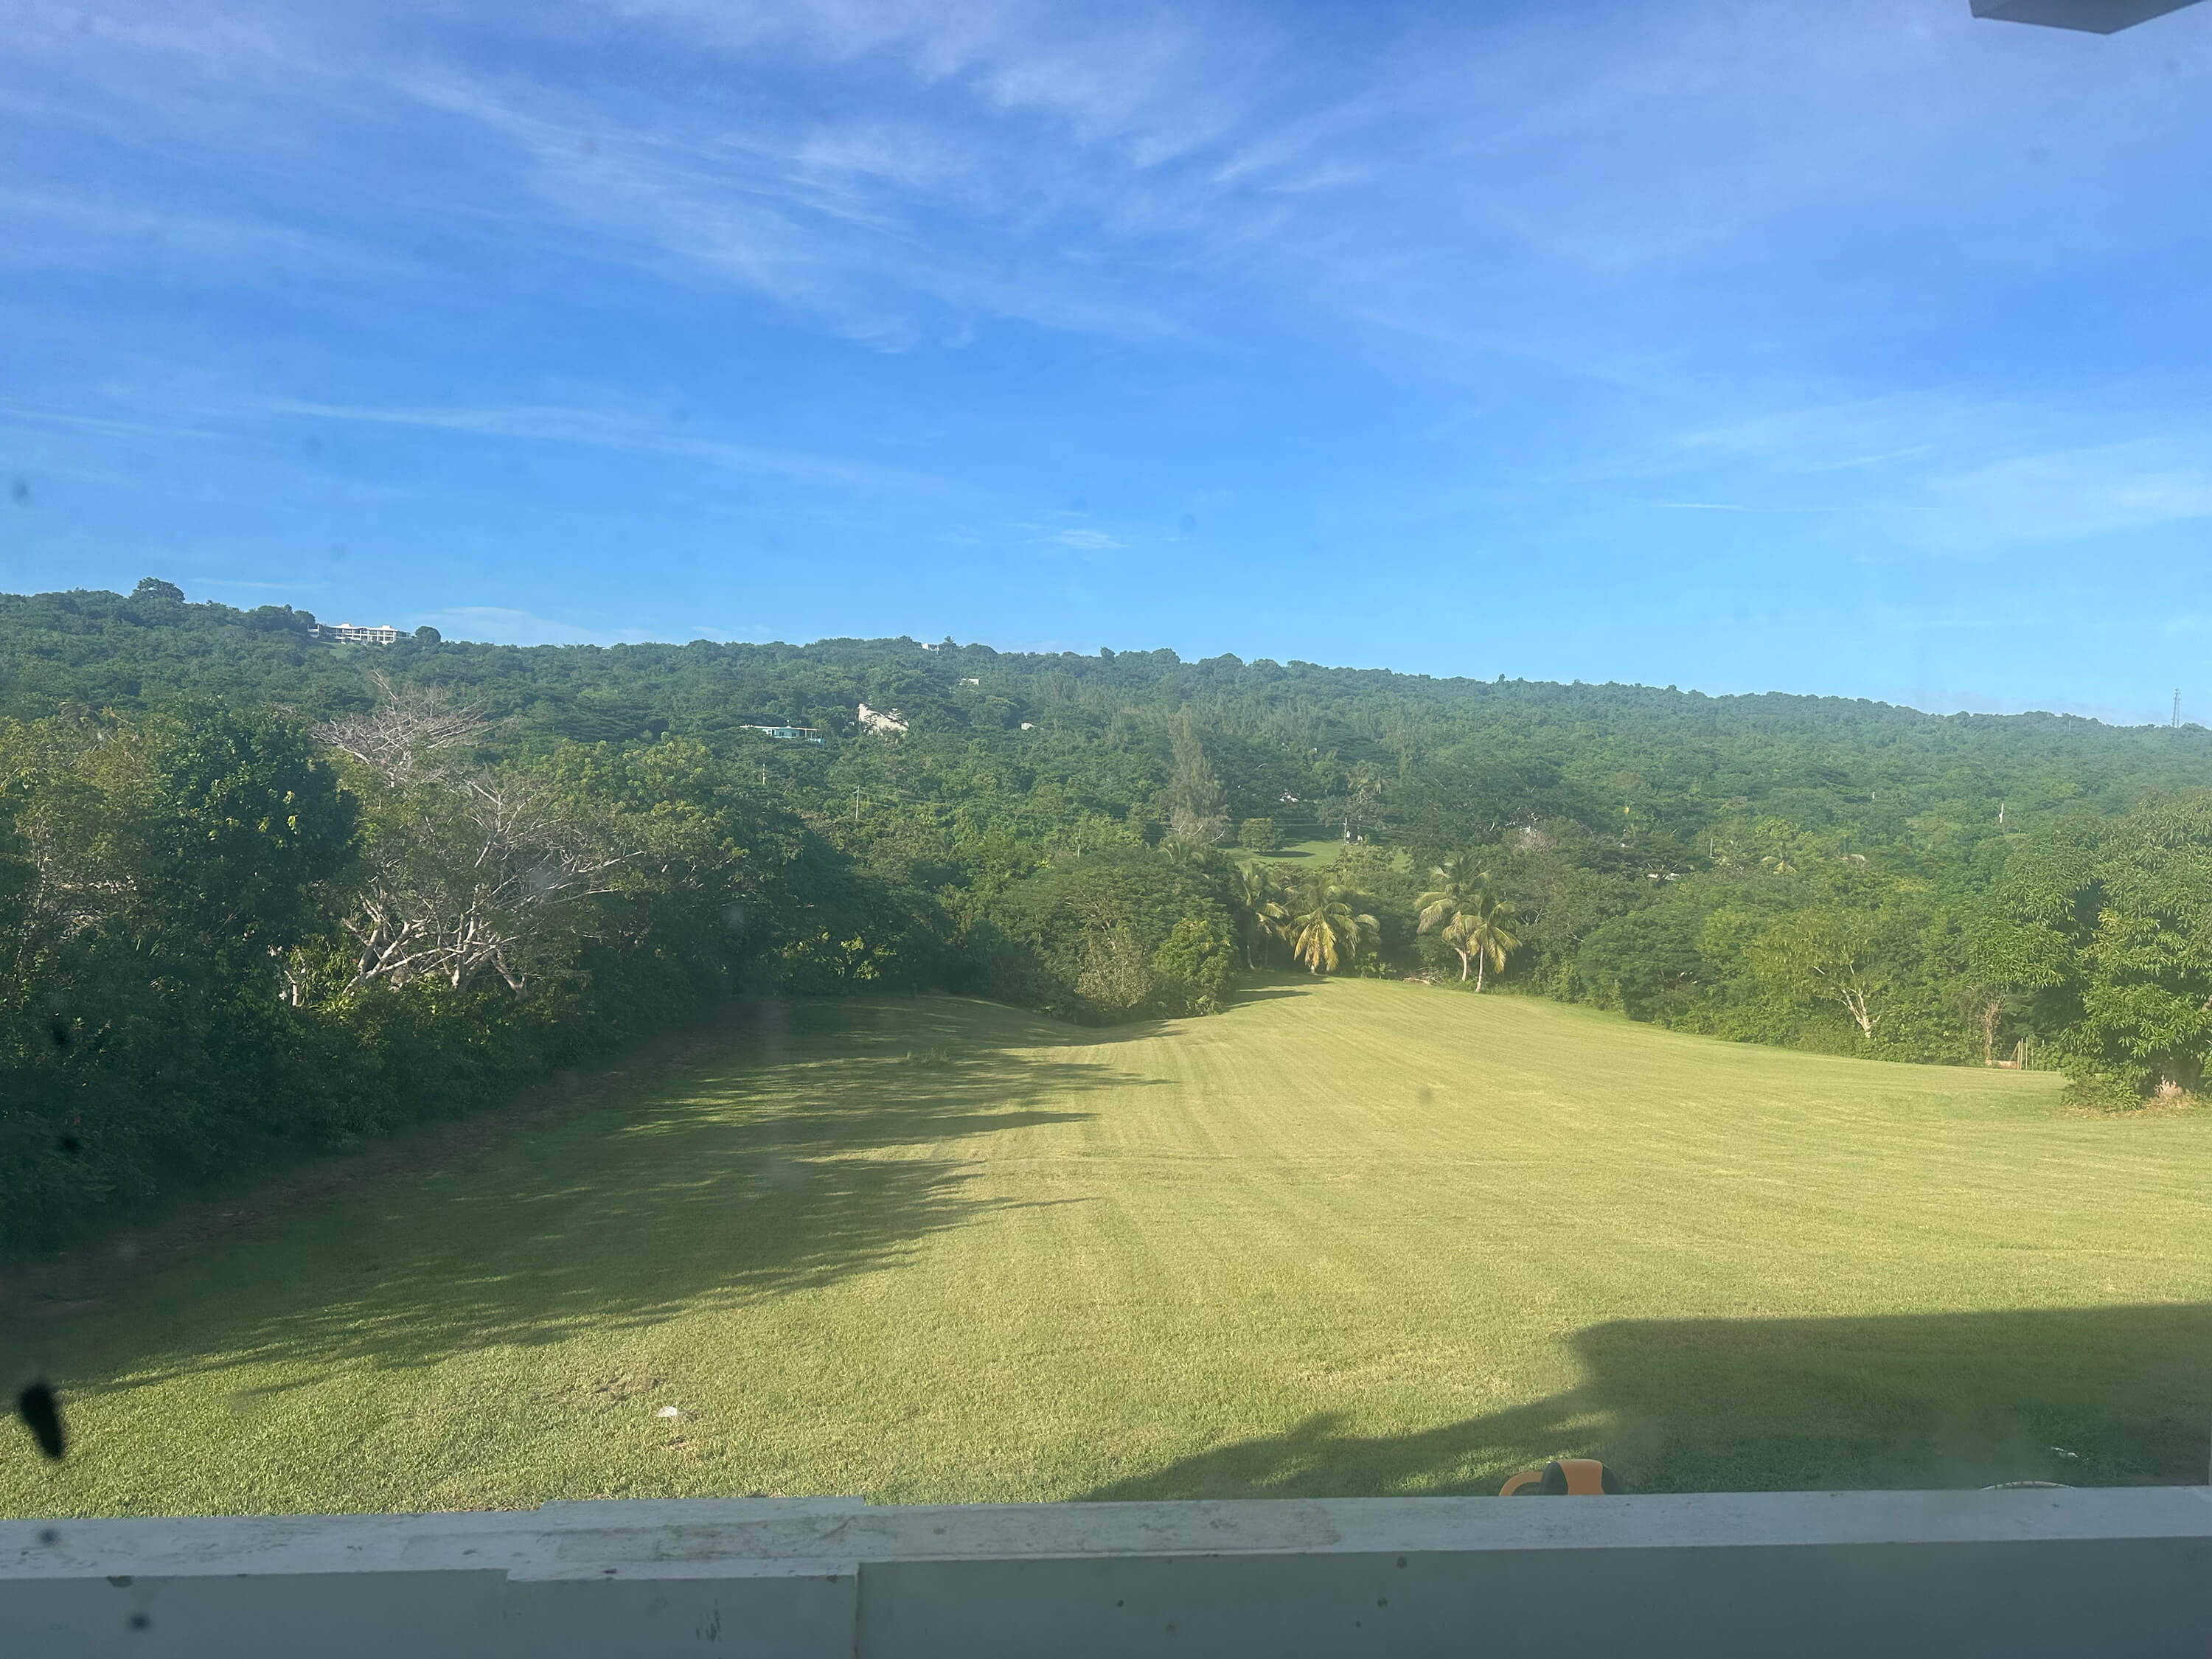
383 634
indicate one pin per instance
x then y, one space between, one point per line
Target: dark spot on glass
50 1537
40 1408
58 1029
140 1621
20 492
69 1146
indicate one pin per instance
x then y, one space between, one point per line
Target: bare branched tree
472 878
64 833
468 871
1198 829
414 733
72 888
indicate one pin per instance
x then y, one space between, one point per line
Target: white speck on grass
668 1410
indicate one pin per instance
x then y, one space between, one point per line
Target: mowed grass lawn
1348 1237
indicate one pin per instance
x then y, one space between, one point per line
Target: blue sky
1841 348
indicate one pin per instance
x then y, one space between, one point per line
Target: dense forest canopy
264 889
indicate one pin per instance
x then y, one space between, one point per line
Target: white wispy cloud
1086 541
1736 506
2068 495
49 230
614 430
495 624
1544 181
1850 434
1705 206
102 424
889 230
193 585
1946 472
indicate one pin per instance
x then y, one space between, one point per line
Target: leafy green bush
1116 936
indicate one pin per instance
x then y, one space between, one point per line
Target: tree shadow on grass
2090 1396
1272 985
800 1146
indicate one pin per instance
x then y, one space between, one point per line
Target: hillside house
786 733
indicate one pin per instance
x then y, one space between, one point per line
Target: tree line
265 890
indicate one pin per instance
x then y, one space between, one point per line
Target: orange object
1564 1477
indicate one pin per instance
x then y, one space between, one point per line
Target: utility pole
2176 721
856 809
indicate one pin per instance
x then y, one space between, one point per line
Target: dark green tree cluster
2098 935
1114 935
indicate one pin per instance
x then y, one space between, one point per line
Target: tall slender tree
1198 810
1261 914
1481 933
1454 901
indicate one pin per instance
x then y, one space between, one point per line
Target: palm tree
1454 882
1330 932
1189 849
1458 893
1480 932
1262 915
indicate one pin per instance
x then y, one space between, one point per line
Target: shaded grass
1302 854
1346 1237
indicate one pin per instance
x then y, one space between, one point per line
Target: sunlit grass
1302 854
1347 1237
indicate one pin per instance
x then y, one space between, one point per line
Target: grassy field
1347 1237
1302 854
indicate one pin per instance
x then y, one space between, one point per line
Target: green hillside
1348 1237
266 893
